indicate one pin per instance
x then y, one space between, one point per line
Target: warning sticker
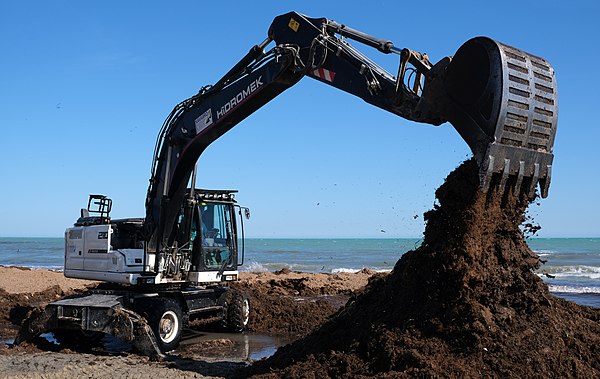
294 25
204 121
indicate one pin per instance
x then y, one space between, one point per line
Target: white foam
344 270
571 289
267 267
355 270
545 252
591 272
253 267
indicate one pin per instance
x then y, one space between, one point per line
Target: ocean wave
276 266
35 266
545 252
572 289
355 270
592 272
253 267
270 267
46 267
345 270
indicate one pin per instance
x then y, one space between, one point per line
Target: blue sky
85 87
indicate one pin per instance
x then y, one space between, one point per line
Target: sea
571 268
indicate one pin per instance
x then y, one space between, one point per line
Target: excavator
179 261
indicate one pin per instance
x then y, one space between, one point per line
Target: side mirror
247 213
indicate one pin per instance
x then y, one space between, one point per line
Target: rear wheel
166 321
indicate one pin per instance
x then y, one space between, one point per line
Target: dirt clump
294 303
466 303
278 308
220 347
14 307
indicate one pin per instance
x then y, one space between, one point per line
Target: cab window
217 239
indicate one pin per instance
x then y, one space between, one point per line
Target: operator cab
217 245
204 246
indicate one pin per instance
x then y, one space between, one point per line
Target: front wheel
237 311
166 321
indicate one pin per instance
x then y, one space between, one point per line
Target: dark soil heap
15 307
275 305
464 304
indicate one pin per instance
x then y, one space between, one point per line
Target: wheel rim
245 312
168 326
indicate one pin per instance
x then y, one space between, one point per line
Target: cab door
96 247
218 236
74 248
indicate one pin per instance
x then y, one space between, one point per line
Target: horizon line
334 237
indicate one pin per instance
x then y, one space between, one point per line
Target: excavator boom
501 100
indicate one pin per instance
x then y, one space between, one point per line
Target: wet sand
63 365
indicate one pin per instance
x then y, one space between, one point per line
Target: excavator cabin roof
214 195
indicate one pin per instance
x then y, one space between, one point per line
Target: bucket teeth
505 173
527 173
520 176
485 174
535 179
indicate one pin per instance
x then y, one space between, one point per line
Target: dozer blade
505 106
95 313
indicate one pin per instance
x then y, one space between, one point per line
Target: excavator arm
198 121
501 100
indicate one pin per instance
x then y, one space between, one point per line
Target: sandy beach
287 303
24 280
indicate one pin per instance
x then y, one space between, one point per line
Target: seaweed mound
466 303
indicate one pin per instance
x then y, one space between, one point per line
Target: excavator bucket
505 106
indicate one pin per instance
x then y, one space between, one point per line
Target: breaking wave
573 289
580 271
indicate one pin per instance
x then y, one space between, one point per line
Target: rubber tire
237 312
166 321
